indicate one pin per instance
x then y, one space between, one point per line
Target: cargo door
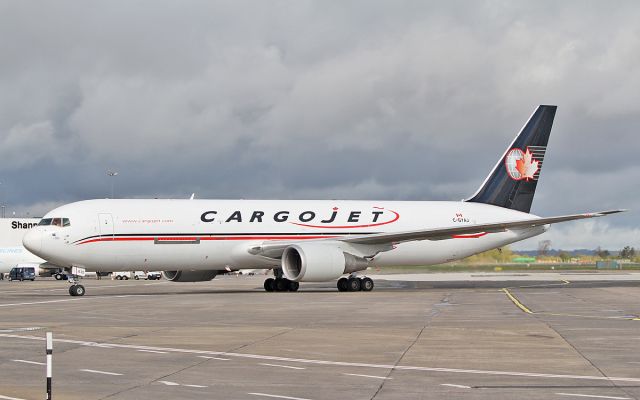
105 222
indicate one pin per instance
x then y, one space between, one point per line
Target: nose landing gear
75 289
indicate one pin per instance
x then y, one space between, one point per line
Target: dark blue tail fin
512 183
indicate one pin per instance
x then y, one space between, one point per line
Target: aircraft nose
32 241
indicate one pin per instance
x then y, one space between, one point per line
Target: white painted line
27 329
594 396
277 396
74 299
29 362
93 371
37 302
281 366
169 383
195 386
9 398
153 351
333 363
455 386
368 376
215 358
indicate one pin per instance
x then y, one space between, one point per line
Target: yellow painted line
566 282
516 301
524 308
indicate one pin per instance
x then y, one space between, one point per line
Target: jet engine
318 262
189 276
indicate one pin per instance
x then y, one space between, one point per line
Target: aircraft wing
275 249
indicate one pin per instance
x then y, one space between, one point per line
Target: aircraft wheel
366 284
280 285
136 277
58 277
126 278
72 290
343 284
269 284
293 286
79 290
354 284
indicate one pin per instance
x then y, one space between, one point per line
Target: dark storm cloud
304 99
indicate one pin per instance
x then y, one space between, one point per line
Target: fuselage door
106 224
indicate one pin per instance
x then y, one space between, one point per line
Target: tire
280 285
269 284
366 284
79 290
293 286
343 284
354 284
126 278
136 277
118 278
58 277
33 279
72 290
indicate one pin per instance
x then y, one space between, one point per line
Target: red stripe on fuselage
469 236
221 238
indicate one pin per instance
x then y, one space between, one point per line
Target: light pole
112 174
2 205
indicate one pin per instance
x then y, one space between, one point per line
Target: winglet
608 212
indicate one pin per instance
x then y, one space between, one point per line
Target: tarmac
424 336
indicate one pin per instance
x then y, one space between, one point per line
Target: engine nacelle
318 262
189 276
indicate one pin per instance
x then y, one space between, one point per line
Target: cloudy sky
402 100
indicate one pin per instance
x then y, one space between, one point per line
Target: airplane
12 252
305 240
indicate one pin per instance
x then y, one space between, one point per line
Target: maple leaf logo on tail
521 165
527 166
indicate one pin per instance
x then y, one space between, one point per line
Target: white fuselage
124 235
12 253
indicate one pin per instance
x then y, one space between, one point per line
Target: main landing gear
355 284
280 285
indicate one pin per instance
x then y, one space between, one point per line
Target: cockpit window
55 222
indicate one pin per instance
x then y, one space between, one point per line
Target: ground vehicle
22 273
60 275
154 275
122 275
